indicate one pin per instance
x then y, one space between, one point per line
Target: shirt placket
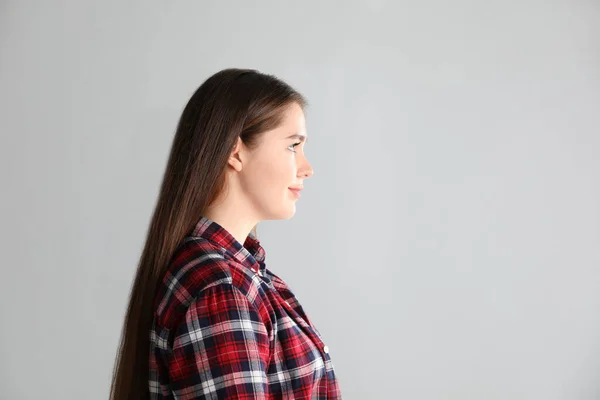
309 330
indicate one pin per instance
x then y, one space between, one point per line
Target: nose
306 171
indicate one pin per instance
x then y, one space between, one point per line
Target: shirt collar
251 254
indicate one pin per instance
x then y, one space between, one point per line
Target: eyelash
294 145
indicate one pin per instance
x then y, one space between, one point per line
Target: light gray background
447 247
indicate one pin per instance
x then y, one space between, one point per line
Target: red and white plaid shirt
226 327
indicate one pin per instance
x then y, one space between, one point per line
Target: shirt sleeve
221 349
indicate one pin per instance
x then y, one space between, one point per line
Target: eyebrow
302 138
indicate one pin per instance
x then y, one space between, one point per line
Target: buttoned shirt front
226 327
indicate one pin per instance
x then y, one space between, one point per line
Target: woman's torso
299 365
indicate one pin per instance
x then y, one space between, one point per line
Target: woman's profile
206 318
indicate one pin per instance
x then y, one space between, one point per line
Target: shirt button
326 349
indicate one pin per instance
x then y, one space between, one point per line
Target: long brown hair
231 103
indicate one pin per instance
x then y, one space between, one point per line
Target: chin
287 213
290 213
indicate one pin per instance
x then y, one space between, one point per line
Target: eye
293 146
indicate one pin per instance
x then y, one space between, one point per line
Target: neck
234 220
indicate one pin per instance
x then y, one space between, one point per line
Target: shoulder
196 266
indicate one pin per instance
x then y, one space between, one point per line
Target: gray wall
450 244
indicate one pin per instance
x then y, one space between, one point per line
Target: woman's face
276 164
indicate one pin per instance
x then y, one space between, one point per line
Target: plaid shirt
226 327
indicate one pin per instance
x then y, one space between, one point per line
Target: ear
235 158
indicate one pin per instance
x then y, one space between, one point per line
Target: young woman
206 318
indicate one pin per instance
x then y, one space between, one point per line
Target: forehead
293 123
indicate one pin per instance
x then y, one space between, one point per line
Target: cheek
279 172
279 168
